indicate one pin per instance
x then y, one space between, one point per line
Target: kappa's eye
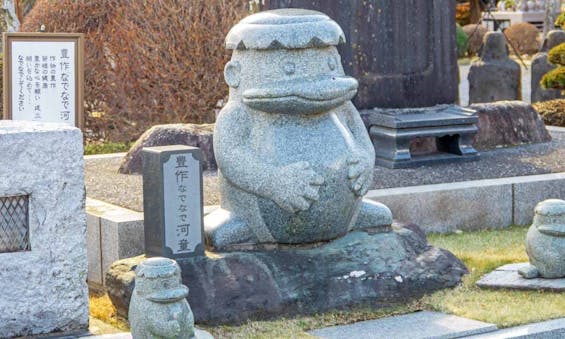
332 64
289 68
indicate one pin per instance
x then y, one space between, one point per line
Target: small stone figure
541 65
545 241
293 154
494 77
158 308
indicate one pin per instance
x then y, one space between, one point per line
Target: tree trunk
10 15
549 20
476 11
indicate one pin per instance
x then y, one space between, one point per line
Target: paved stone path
410 326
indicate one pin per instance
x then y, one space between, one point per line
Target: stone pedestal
379 266
392 131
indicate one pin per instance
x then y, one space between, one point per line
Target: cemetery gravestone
494 77
172 201
43 263
403 53
540 66
408 76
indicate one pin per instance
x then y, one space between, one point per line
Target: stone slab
199 334
438 208
507 277
44 289
410 326
359 268
120 235
440 115
551 329
93 249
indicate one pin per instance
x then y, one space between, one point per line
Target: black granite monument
404 55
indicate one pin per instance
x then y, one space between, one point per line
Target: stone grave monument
404 55
494 76
540 66
42 230
545 245
294 234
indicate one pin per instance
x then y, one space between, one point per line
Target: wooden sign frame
76 38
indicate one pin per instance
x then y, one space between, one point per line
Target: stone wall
43 287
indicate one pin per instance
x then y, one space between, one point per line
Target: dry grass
146 62
102 309
552 112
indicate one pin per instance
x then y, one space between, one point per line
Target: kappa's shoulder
233 111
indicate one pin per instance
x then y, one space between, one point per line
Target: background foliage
146 62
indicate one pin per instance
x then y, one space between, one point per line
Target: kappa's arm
359 131
235 157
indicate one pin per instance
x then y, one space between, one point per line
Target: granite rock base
508 123
200 136
507 276
364 267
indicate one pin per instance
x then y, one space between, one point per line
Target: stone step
417 325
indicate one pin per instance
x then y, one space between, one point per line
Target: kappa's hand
297 187
359 176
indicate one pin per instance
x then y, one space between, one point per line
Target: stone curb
471 205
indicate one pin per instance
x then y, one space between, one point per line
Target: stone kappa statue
293 154
545 241
158 308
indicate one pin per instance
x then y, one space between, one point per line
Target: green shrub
555 79
560 20
557 55
462 41
552 112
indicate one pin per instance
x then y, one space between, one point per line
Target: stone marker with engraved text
172 201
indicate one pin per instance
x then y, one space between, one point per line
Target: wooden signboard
43 77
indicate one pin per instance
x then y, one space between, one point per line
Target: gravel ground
104 183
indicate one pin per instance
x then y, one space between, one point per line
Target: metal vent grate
14 224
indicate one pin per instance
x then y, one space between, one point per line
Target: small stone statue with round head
545 241
294 156
158 308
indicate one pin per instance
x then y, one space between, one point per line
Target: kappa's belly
326 149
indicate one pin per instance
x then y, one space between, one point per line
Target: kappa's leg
373 214
223 228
